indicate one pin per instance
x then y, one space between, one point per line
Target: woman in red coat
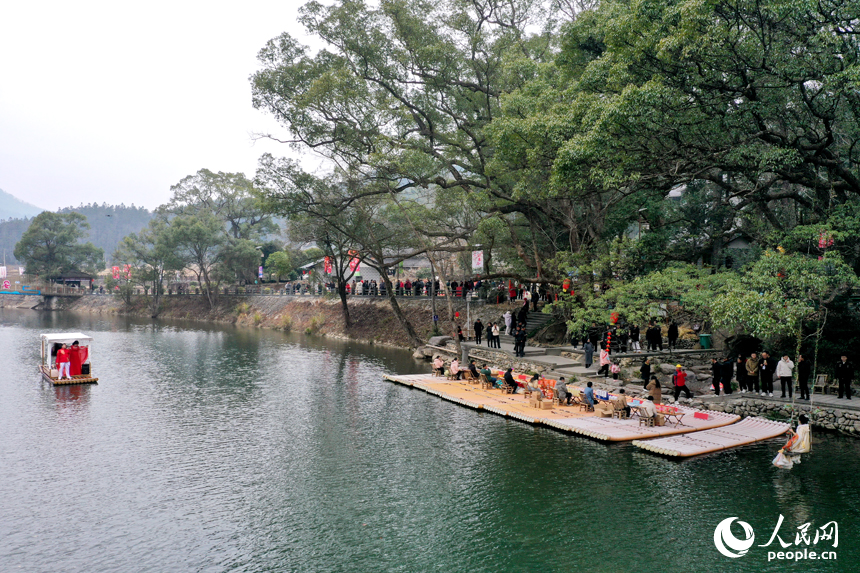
63 362
77 356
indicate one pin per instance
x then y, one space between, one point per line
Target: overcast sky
115 102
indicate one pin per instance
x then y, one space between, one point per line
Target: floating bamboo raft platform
747 431
79 379
564 418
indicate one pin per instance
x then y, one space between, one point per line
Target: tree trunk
414 340
210 297
341 290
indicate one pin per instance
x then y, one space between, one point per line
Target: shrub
242 308
258 318
286 323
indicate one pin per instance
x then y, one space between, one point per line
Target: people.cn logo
727 543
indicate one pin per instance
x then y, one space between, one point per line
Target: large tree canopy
52 245
404 92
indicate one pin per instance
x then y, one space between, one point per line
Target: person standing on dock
604 362
588 348
741 374
653 337
784 370
844 374
727 370
655 391
634 339
672 335
716 375
63 361
497 343
679 381
479 329
752 373
645 371
804 369
767 368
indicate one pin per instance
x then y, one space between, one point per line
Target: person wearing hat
679 381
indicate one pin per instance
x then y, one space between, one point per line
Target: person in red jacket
63 362
77 356
679 381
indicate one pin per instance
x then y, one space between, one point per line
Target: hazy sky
115 102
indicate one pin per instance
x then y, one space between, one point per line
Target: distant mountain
13 208
108 225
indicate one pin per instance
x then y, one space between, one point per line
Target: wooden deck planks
564 418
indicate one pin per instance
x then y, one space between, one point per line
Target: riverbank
373 321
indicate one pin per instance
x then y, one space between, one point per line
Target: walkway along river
215 448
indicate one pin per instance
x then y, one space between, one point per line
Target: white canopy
66 337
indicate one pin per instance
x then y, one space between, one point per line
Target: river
209 448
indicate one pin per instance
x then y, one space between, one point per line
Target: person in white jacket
784 368
508 319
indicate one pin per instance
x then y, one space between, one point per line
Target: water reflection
226 449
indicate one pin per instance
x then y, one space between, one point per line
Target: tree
774 296
758 98
231 197
279 264
51 246
152 253
199 239
403 93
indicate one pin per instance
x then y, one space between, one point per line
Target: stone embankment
372 318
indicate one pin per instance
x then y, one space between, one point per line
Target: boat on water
79 347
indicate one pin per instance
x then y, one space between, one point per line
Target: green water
213 449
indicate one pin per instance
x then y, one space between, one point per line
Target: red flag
327 265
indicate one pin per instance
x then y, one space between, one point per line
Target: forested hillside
13 208
108 225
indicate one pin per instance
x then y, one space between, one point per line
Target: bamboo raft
747 431
77 379
564 418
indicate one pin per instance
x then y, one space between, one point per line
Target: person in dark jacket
844 370
741 374
634 339
727 370
672 335
717 375
645 371
588 347
479 330
654 337
767 367
804 369
509 380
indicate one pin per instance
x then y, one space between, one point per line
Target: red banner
327 265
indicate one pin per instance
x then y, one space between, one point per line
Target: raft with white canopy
49 345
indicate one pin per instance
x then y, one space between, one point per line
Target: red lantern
565 286
456 315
